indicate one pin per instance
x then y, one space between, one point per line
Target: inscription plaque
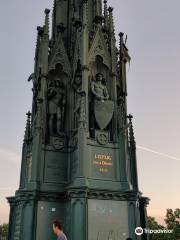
103 164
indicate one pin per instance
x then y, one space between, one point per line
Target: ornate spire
27 135
131 133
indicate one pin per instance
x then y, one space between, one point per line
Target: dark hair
128 238
57 224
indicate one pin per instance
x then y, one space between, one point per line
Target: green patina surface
79 153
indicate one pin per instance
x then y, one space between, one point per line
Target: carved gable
99 47
59 56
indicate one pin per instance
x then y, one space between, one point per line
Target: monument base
85 215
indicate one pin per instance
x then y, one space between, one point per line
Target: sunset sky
153 79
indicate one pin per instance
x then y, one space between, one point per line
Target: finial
121 40
130 117
28 115
121 34
40 30
46 11
110 9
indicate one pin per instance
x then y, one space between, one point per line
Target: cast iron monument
79 152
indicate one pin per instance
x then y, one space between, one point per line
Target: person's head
128 238
57 226
99 77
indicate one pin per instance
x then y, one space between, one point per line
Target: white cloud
8 155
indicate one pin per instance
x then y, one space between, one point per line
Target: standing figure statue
56 106
99 89
101 107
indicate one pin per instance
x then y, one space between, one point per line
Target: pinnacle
47 11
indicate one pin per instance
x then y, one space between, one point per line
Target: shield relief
103 111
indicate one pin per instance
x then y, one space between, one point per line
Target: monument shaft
79 153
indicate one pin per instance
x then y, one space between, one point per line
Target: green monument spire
79 153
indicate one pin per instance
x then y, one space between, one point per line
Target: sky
153 79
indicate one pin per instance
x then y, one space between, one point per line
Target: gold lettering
103 157
106 163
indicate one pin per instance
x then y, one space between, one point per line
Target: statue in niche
99 89
103 107
56 106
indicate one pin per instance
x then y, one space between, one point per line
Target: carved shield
103 112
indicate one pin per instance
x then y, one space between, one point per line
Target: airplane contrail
158 153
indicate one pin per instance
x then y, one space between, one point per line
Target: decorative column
44 74
29 218
83 124
79 218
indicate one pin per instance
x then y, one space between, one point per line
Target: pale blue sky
153 90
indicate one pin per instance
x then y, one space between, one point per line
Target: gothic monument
79 152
